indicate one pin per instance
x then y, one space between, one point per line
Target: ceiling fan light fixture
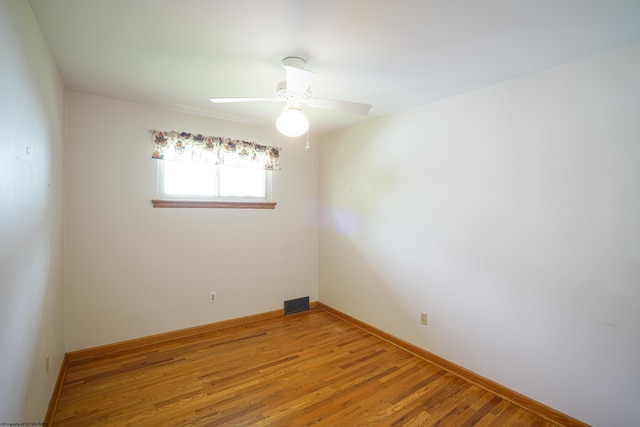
292 122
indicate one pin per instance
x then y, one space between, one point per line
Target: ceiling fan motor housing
291 97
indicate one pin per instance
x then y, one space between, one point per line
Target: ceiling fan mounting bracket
294 61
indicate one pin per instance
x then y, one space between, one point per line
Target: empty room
335 213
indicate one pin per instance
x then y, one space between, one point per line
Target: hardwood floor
309 368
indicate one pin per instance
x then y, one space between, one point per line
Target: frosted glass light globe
292 122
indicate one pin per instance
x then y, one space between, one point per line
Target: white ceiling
394 54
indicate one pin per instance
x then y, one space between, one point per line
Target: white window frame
162 195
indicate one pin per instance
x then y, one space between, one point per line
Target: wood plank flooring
309 368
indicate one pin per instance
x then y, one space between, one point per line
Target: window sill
211 205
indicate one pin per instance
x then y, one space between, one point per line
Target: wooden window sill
211 205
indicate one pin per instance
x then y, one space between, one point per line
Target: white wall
133 270
512 216
31 217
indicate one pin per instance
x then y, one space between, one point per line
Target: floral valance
185 146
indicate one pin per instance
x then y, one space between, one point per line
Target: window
243 182
206 182
206 171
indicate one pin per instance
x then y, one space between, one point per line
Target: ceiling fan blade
298 80
223 100
347 107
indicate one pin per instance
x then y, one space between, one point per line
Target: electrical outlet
423 318
212 297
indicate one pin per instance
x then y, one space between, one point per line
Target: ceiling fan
295 91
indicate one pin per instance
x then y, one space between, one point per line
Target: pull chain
307 146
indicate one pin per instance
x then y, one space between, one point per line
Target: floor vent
296 305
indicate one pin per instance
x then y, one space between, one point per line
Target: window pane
242 182
186 178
